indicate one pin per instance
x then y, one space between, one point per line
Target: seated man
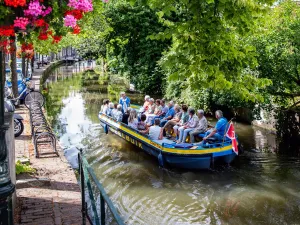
219 131
114 111
171 123
154 130
164 109
170 114
118 116
188 127
201 128
126 116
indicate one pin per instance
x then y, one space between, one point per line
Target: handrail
85 170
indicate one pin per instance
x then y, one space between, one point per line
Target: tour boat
167 152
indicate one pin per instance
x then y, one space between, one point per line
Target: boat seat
164 140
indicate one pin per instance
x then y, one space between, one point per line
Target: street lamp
6 186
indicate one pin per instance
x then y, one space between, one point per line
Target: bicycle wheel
34 96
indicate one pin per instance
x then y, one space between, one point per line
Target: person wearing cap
202 126
124 102
188 126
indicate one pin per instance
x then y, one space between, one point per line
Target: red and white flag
231 134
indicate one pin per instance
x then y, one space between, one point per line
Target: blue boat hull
187 161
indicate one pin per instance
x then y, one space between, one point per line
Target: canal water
260 187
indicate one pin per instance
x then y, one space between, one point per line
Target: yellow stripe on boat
156 145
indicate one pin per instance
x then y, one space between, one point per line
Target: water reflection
260 187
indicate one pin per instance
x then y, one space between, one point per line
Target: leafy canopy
208 48
278 47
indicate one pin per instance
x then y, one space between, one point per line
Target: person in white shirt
104 107
154 130
119 115
201 128
114 111
110 109
188 126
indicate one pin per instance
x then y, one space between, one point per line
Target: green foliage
24 168
130 51
278 48
208 45
91 42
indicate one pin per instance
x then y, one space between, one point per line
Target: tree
278 48
208 44
130 51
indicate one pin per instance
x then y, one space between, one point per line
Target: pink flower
35 9
47 11
21 22
82 5
105 1
70 21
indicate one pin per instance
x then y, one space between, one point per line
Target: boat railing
96 204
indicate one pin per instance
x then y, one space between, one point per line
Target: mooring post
102 210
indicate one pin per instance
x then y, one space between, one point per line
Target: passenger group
157 119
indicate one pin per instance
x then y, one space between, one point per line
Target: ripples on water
258 188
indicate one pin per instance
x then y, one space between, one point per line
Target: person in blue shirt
169 115
124 102
220 129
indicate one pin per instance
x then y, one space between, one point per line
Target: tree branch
296 103
291 95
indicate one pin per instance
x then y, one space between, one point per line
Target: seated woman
183 119
110 109
157 110
146 103
188 126
118 116
142 126
151 107
104 107
133 120
126 116
201 128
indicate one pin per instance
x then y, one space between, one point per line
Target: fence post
102 210
83 205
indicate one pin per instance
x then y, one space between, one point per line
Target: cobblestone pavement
51 195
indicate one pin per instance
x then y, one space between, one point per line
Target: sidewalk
51 195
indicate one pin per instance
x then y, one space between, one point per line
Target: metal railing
98 217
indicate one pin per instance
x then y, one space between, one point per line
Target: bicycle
31 96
